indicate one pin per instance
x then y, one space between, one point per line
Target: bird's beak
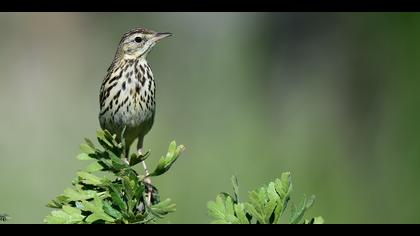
159 36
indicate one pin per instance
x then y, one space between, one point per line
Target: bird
127 94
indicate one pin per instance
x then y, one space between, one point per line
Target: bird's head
138 42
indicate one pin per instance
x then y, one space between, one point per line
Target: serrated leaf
98 213
129 192
74 195
68 215
135 159
107 164
254 213
266 205
167 161
117 163
54 204
257 200
116 197
84 157
223 210
172 148
163 208
58 202
110 137
310 202
94 167
216 209
229 211
72 211
225 195
278 211
107 140
128 187
271 203
241 214
284 185
112 211
235 185
86 148
88 178
298 212
317 220
89 143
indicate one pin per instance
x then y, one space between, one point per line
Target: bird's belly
128 100
134 110
137 122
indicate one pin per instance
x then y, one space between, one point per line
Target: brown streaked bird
127 95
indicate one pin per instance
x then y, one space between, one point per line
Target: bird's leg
140 153
126 152
126 155
147 180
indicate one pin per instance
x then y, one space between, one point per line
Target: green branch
266 205
109 190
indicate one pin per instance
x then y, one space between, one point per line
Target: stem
149 182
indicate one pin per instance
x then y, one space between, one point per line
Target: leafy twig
109 190
266 205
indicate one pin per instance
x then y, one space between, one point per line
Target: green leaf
270 203
110 137
54 204
77 195
89 143
84 157
86 148
135 159
166 162
117 163
230 211
315 220
216 209
283 187
72 211
112 211
58 202
88 178
69 215
129 192
223 210
241 213
163 208
258 200
318 220
172 148
98 213
104 138
94 167
298 212
119 195
116 197
254 212
266 205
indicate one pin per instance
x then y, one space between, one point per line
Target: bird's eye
137 39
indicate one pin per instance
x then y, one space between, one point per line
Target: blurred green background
332 97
